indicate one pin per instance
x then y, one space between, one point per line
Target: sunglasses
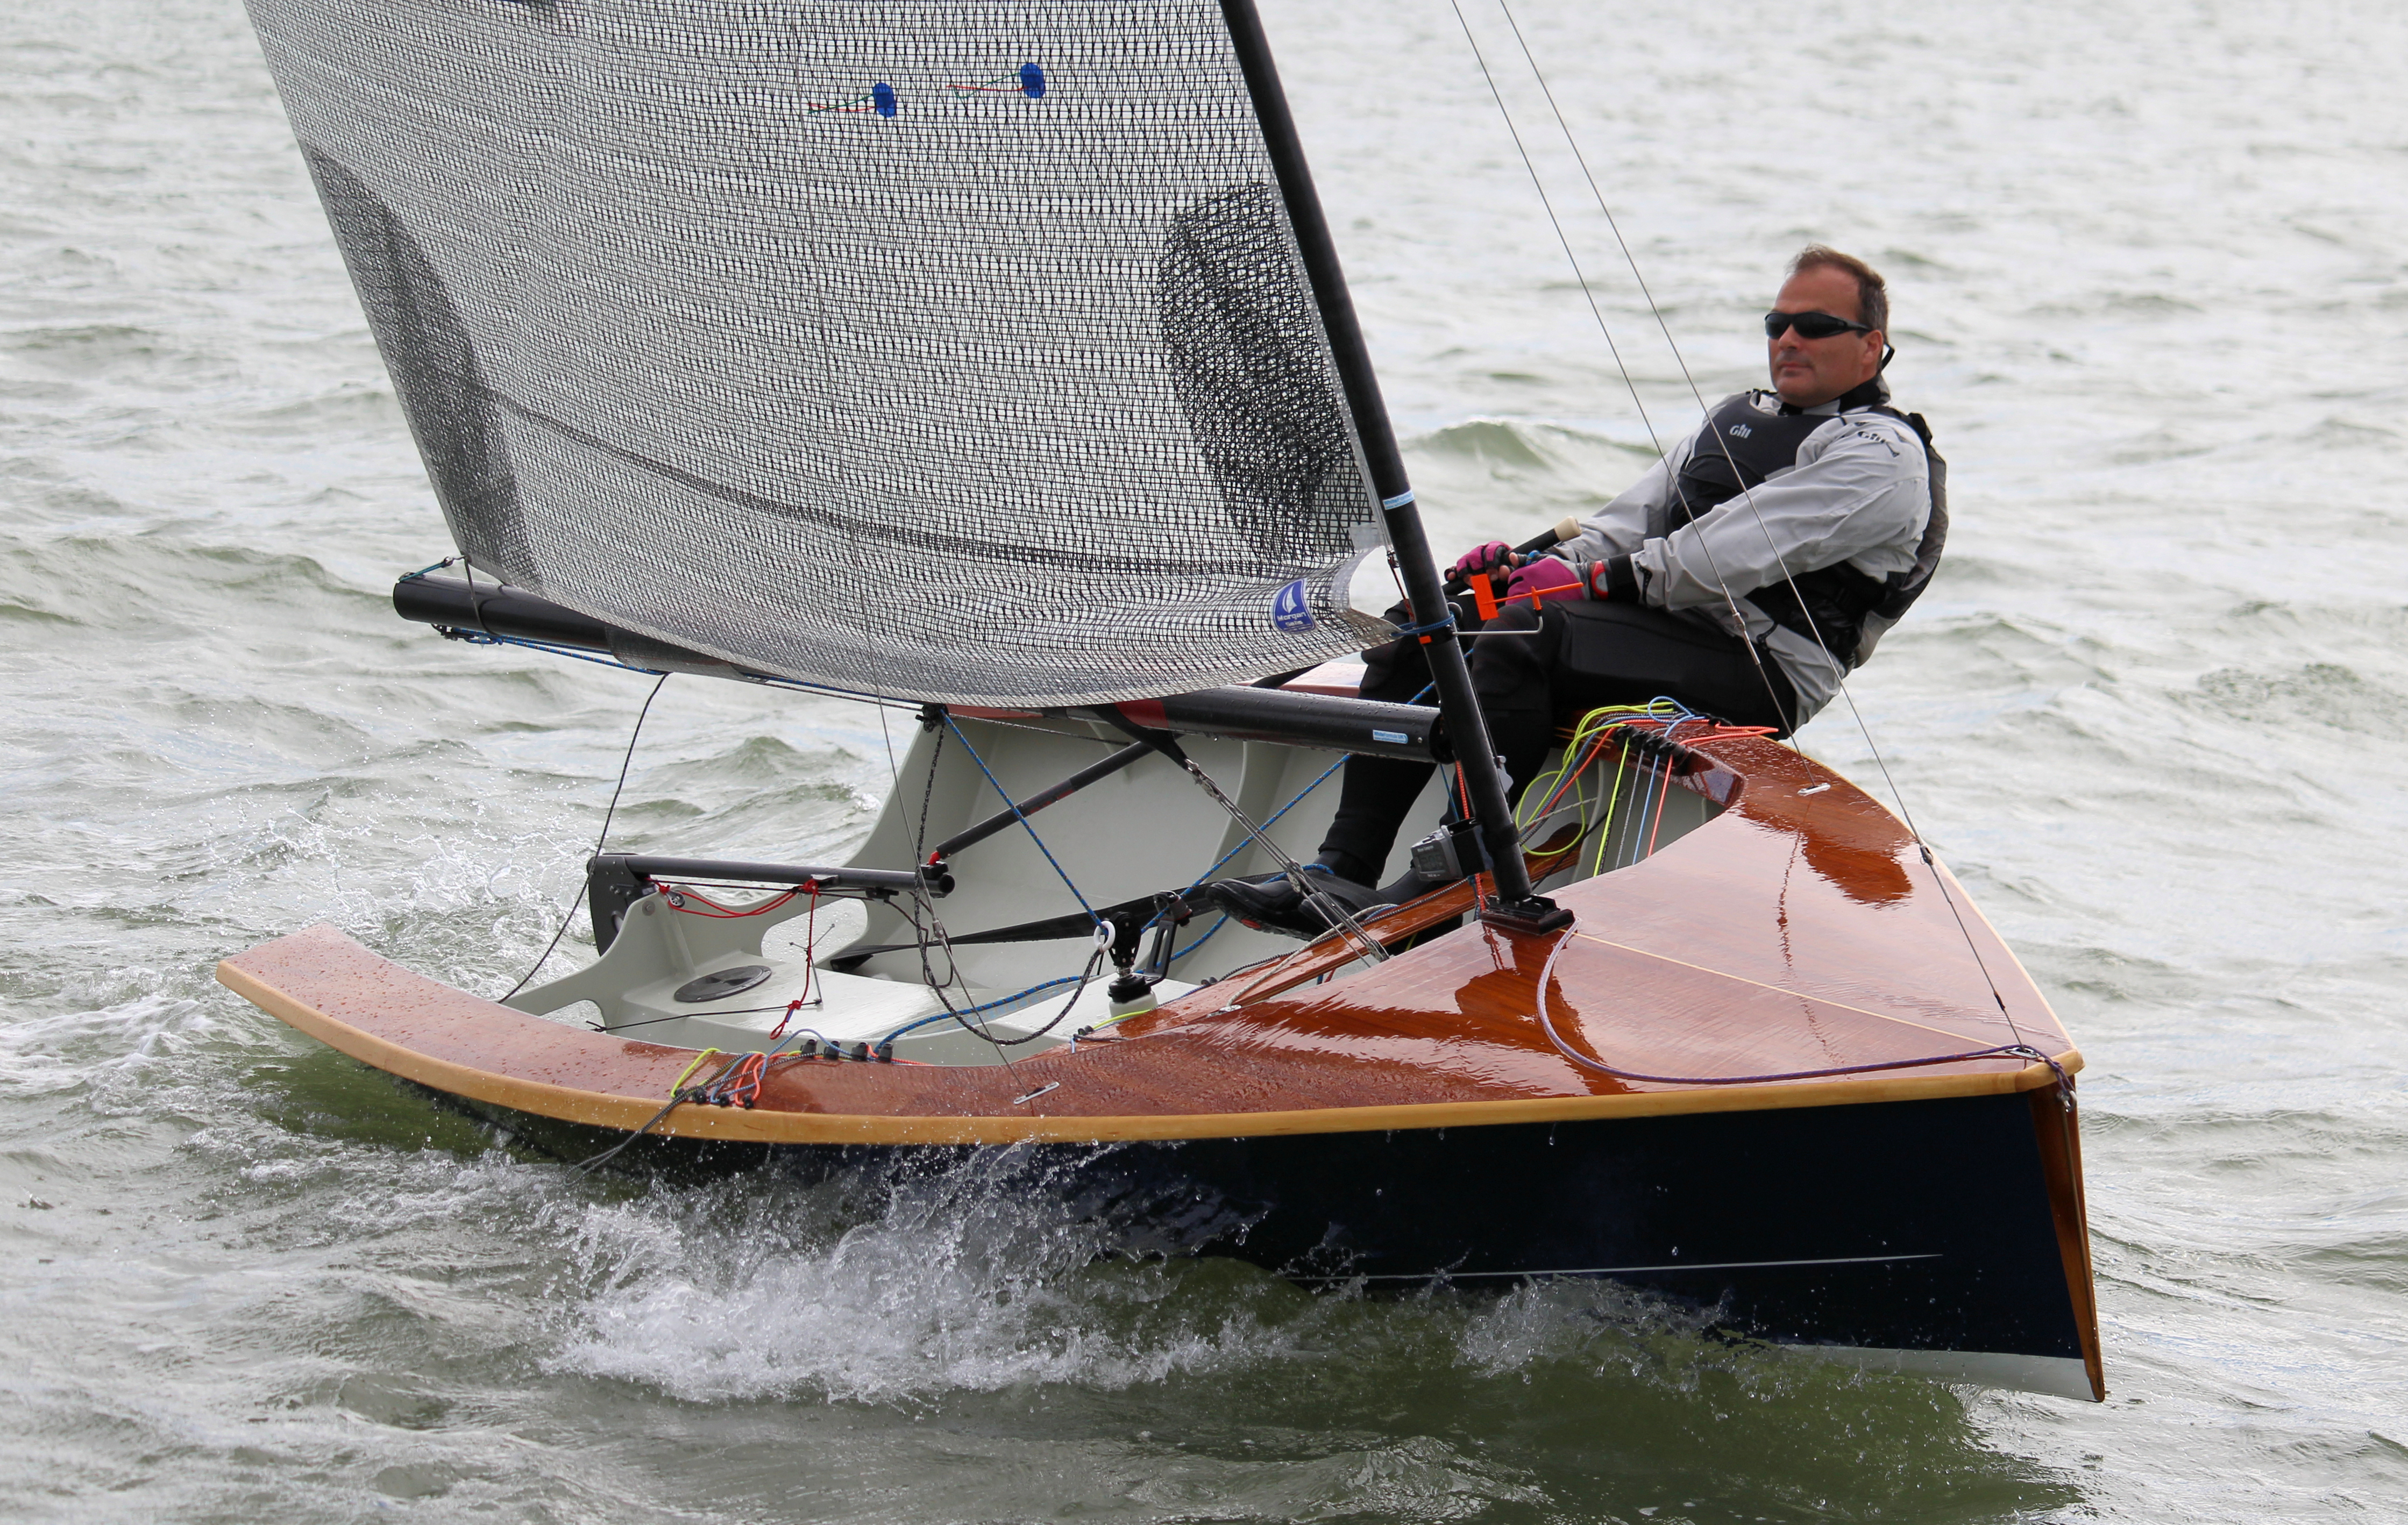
1809 325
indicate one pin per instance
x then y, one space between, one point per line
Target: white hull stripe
1632 1270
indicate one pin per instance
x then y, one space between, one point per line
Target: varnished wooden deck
1793 932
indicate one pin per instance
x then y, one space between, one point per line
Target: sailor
1743 575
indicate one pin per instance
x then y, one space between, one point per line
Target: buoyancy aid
1754 434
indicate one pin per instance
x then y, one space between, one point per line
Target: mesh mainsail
953 351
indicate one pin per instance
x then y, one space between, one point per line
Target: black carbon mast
1517 904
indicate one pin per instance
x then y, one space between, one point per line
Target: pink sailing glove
1544 577
1485 558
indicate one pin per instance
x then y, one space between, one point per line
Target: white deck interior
1146 829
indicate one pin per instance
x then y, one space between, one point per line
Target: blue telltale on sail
1032 80
882 98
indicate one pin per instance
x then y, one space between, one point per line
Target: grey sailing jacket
1860 492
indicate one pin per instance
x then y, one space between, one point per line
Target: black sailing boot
1272 903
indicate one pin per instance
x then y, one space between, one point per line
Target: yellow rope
1586 733
1605 833
679 1083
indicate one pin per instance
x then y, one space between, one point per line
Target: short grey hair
1872 293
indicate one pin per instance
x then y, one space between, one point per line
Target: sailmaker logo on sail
1291 614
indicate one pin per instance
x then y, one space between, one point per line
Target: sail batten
957 351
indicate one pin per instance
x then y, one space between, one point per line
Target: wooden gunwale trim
604 1109
2057 1129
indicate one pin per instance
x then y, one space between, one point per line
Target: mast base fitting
1531 915
1130 994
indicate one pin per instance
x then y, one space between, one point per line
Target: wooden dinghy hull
1410 1126
1425 1118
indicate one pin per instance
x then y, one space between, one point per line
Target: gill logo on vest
1742 431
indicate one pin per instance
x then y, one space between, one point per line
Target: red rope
780 1031
1463 792
742 1084
677 899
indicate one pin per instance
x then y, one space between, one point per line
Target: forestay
951 352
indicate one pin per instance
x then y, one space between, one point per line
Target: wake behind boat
1004 373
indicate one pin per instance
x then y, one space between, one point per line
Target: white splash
965 1279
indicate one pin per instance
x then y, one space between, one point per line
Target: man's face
1810 371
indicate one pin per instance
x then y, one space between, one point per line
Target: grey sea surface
2150 270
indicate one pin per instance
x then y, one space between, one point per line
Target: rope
716 1011
1747 495
478 638
919 902
982 1006
676 901
1328 904
1605 833
1267 824
679 1096
1730 600
588 1166
599 837
766 680
1587 742
1083 979
1430 628
1013 806
1270 822
1589 734
1200 941
2017 1049
927 793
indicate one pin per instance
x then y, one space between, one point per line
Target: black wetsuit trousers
1535 670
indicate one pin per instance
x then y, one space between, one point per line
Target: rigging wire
1269 821
1017 814
599 837
1547 203
1747 495
920 903
2017 1049
1344 919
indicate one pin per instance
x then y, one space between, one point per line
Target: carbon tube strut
1038 801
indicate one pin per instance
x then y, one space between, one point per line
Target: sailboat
995 365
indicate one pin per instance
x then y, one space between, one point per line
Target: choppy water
2150 271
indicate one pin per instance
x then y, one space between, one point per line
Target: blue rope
1247 842
1242 847
1266 826
1443 623
1014 807
478 637
1198 942
986 1005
